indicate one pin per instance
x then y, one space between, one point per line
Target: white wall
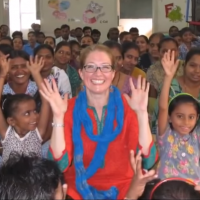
144 25
160 22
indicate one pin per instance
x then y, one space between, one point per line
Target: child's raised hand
139 98
4 66
139 180
169 63
35 65
58 105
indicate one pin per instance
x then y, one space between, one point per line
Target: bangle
57 125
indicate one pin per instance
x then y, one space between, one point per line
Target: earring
111 88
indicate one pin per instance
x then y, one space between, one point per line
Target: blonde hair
97 47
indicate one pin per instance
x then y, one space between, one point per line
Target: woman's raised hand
35 65
170 65
4 66
139 97
51 94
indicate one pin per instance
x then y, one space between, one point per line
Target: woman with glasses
63 54
94 132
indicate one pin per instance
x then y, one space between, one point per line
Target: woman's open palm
139 98
4 65
169 63
58 105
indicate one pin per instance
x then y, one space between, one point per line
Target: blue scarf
109 133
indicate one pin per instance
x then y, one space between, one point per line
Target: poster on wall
167 13
79 13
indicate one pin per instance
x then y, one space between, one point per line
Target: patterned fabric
174 90
74 79
183 50
31 89
155 74
62 81
30 143
179 155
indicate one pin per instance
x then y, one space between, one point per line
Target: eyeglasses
93 68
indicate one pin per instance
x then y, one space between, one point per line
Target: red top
116 170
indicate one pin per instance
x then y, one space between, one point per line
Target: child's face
169 46
187 37
25 118
184 118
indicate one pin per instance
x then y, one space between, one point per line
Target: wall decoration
60 8
93 12
173 12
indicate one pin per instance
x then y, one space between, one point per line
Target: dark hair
43 46
78 28
11 102
165 40
126 46
87 36
32 32
17 34
134 29
5 49
65 26
95 32
123 34
51 38
184 30
184 98
148 188
112 44
73 43
172 28
7 38
40 33
191 53
3 25
160 35
29 177
61 44
145 38
57 29
87 28
18 38
175 189
19 54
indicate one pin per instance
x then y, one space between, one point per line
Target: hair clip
3 103
170 179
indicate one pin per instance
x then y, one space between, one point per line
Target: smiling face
192 69
19 73
130 59
142 44
25 117
63 55
184 120
97 82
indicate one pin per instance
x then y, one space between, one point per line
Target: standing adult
65 34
